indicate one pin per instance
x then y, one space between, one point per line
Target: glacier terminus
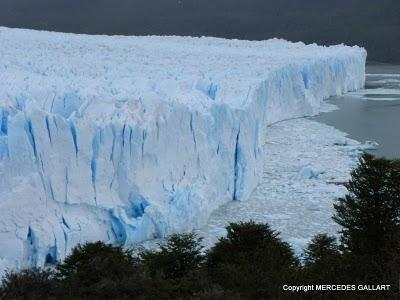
127 139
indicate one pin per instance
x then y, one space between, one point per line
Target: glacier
126 139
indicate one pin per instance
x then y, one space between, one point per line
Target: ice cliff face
124 139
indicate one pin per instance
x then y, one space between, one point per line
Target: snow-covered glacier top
124 139
100 70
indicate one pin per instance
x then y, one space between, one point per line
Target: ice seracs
124 139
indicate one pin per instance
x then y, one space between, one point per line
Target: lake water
372 113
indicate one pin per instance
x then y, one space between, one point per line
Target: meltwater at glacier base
126 139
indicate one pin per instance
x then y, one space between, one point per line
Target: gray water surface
366 115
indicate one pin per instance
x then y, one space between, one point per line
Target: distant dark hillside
374 24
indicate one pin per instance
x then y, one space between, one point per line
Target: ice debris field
306 164
125 139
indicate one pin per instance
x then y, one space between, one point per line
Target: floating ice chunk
382 75
307 172
358 149
370 145
341 141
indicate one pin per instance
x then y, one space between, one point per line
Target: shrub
252 261
97 270
175 268
28 284
323 262
179 255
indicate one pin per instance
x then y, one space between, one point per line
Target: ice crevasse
124 139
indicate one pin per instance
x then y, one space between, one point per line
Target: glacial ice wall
124 139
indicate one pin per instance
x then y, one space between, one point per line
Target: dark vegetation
251 262
373 24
